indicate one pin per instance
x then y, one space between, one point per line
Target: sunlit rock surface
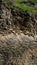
18 49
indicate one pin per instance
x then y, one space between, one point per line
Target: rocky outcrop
12 18
16 48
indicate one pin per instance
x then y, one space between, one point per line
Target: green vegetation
33 0
23 6
28 0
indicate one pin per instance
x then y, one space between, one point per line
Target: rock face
12 18
16 48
